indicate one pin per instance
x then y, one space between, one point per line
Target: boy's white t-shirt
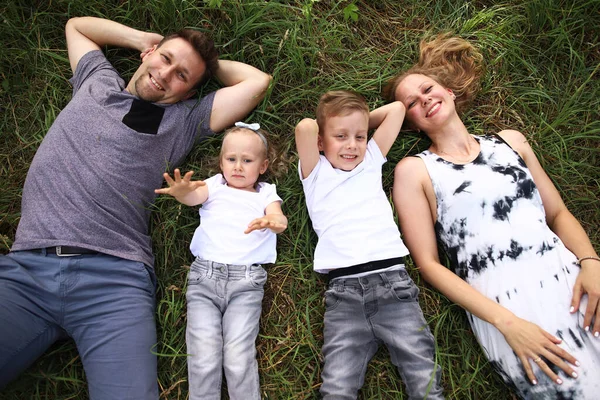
351 214
224 217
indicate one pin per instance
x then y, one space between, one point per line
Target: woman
524 269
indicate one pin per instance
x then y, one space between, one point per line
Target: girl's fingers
177 175
168 179
188 176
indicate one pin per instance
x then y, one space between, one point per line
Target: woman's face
428 104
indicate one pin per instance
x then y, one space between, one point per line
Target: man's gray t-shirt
91 183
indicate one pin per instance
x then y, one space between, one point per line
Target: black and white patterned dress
492 224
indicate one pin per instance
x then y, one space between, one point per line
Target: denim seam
45 329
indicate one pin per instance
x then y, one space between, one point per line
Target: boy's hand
184 189
274 222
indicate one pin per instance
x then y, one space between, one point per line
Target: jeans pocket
404 289
152 277
258 276
198 273
332 300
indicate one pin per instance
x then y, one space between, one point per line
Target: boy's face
344 139
242 159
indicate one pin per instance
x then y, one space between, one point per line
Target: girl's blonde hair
451 61
278 160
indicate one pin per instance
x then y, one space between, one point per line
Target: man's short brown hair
339 102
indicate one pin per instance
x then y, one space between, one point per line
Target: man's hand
85 34
150 42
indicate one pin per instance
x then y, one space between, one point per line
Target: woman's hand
588 282
533 344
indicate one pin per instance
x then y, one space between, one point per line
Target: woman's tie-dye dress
491 222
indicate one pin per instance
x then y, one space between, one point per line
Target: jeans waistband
371 266
65 251
223 270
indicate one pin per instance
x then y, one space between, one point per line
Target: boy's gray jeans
363 312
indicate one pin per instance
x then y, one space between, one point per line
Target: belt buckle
60 254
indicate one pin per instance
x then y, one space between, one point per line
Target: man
81 264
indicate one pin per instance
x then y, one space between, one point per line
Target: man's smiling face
168 73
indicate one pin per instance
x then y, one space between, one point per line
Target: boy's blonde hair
339 102
452 62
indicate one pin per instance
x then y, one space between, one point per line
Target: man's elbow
72 23
264 81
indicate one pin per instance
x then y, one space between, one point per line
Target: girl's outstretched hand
184 189
532 344
274 222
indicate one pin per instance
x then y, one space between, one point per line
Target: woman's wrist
504 320
587 260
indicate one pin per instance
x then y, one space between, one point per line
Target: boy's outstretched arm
85 34
307 144
245 87
185 191
387 120
273 219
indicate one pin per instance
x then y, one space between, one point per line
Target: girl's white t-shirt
224 217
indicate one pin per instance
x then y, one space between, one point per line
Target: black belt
68 250
366 267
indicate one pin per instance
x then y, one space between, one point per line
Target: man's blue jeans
223 311
363 312
105 303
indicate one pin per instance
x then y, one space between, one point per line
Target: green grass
543 65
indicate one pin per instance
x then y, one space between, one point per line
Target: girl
239 219
521 260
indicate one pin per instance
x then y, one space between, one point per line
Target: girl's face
428 104
243 159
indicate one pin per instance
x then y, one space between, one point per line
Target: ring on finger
537 360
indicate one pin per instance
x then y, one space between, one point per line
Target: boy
370 297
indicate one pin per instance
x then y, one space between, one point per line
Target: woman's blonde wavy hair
451 61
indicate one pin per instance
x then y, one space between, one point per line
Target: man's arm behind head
85 34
